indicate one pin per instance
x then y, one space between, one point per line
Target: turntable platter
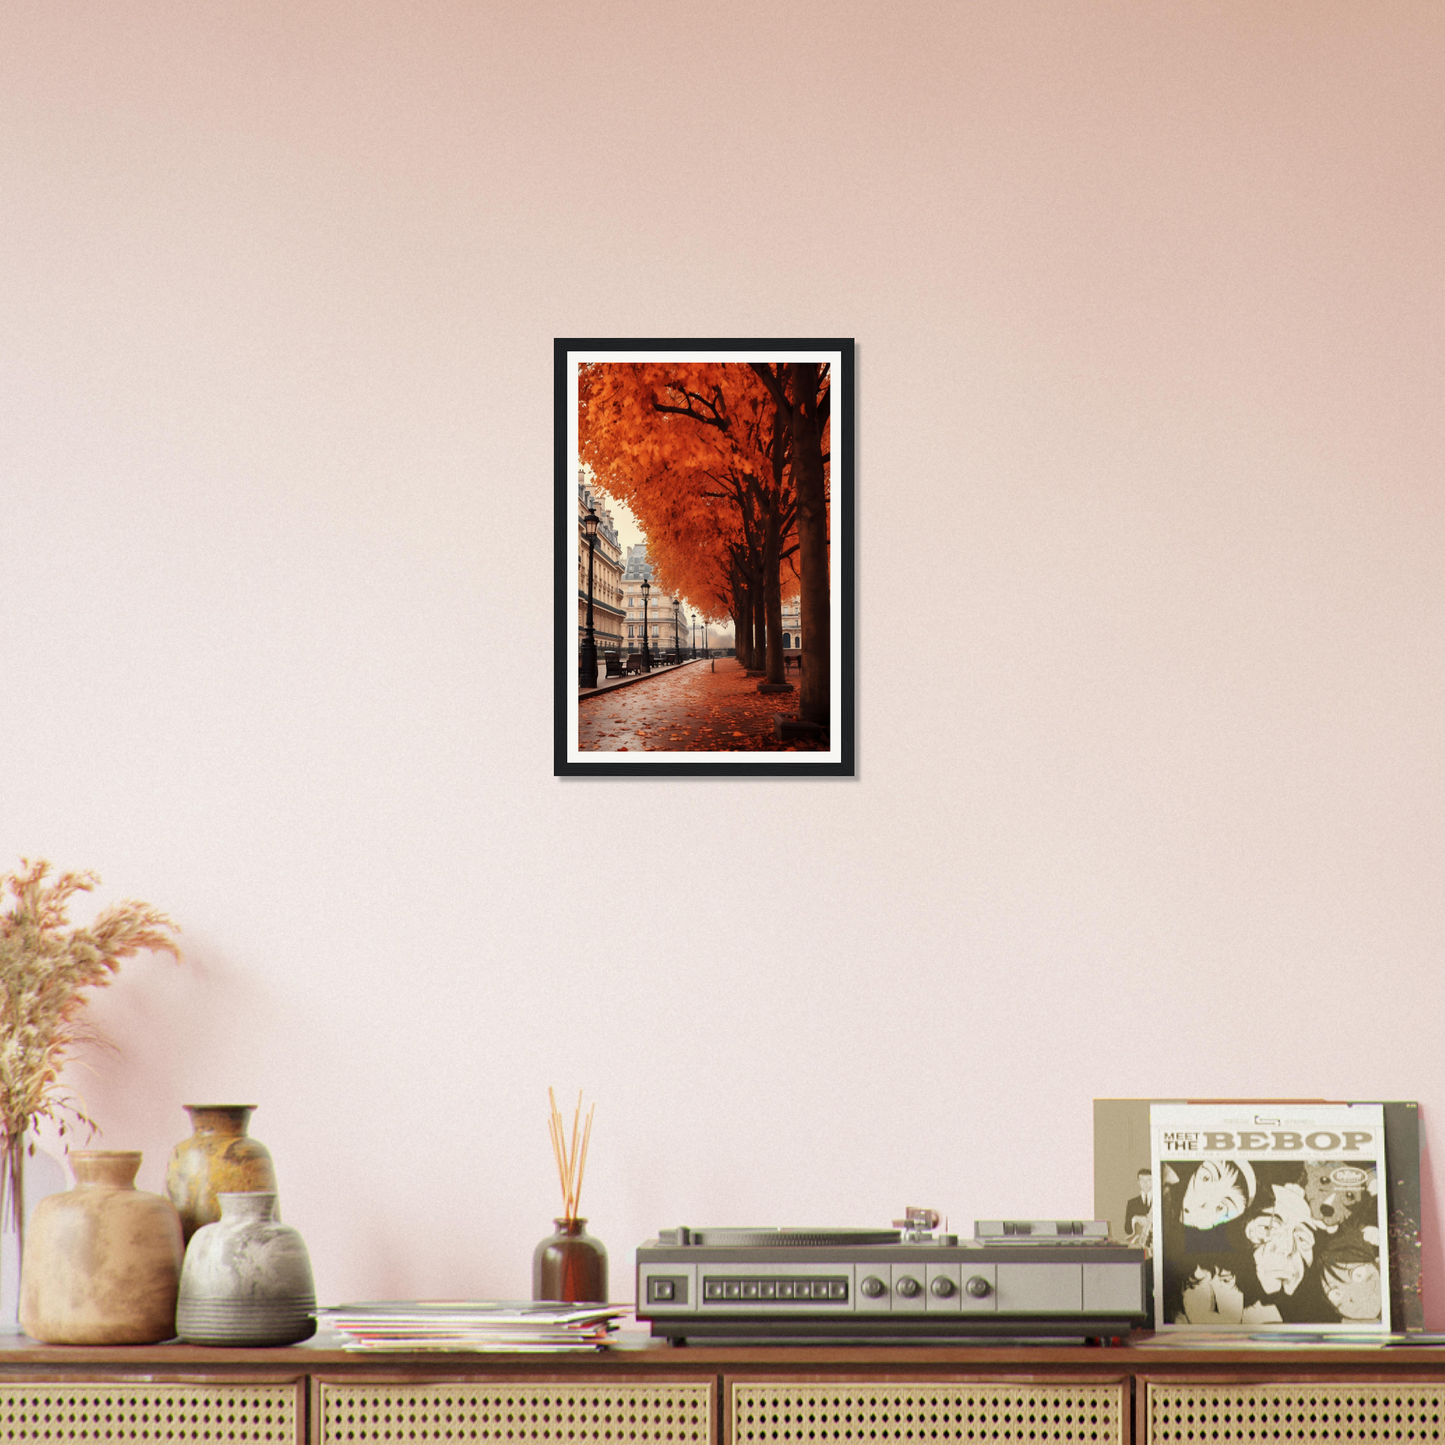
764 1238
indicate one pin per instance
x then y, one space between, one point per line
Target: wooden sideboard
647 1393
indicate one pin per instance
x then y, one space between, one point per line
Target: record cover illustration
1124 1184
1270 1218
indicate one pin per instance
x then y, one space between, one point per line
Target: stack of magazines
472 1325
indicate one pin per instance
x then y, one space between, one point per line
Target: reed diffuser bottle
570 1266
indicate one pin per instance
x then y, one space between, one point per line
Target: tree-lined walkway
725 465
692 709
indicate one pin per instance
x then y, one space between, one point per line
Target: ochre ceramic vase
102 1262
220 1157
570 1265
247 1279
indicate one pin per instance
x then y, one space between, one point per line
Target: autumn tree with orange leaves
708 457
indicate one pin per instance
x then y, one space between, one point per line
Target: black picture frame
833 754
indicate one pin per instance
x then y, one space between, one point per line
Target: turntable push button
942 1286
873 1287
908 1287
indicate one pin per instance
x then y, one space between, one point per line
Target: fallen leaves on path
694 709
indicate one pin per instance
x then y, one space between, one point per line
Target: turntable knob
978 1286
942 1286
872 1286
908 1287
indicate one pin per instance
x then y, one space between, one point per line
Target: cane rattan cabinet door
87 1413
519 1413
1382 1413
768 1412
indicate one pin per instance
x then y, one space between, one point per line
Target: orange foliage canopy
691 449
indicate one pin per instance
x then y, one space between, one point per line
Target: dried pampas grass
46 971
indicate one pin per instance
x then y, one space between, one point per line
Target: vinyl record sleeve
1270 1218
1123 1185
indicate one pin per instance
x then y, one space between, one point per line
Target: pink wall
1150 590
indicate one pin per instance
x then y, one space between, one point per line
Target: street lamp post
646 655
676 631
587 672
692 634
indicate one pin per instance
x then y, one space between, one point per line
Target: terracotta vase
102 1262
247 1279
220 1157
570 1265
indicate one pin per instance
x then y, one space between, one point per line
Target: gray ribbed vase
246 1279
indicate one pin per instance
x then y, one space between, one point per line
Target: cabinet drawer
201 1414
679 1413
775 1413
1190 1414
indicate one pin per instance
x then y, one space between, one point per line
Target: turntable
1015 1279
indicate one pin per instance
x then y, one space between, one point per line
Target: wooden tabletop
633 1350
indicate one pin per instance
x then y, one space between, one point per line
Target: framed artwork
704 557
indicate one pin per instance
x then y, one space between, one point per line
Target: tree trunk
816 685
742 616
773 598
760 623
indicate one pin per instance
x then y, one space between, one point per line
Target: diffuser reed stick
570 1154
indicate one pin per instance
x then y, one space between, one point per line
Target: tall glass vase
29 1177
12 1231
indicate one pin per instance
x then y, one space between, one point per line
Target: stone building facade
607 610
666 616
792 628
